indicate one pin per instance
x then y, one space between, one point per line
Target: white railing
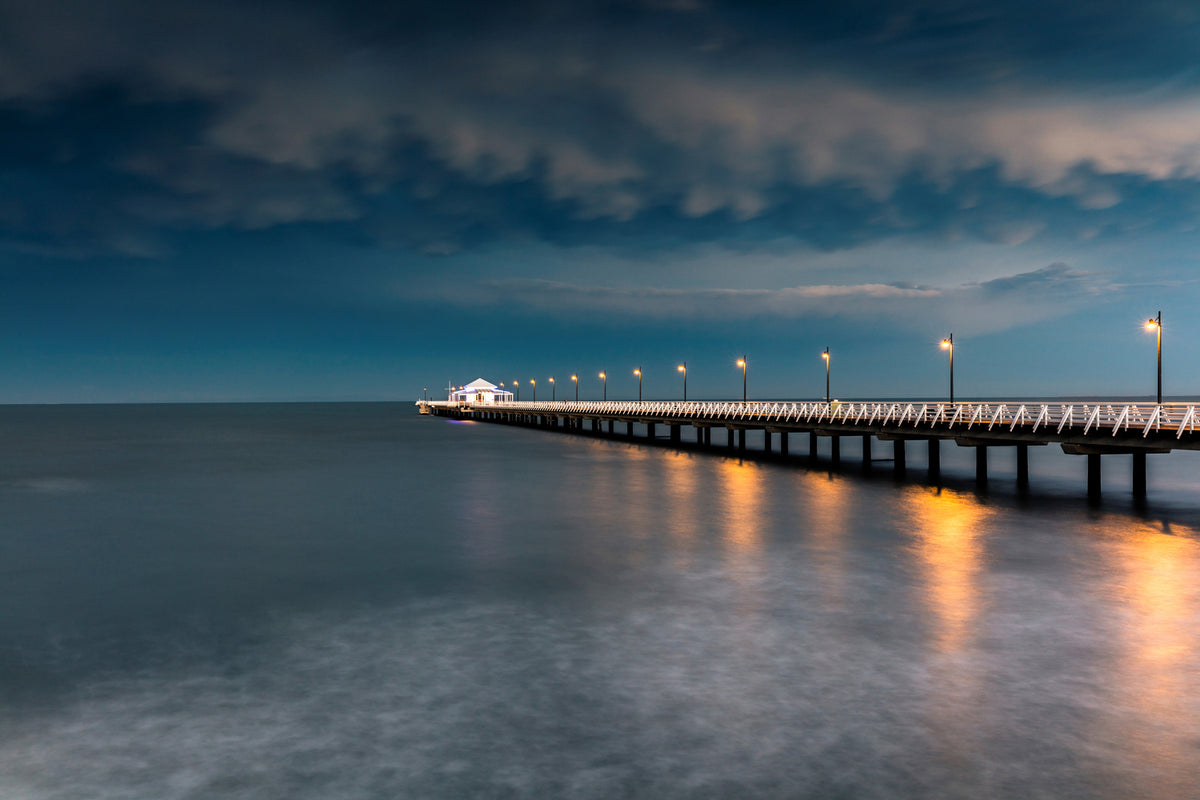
1090 418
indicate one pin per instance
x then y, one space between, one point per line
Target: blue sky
309 200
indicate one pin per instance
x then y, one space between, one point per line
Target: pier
1091 429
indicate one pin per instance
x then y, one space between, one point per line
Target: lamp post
426 390
825 356
683 368
948 344
517 387
533 383
604 377
742 363
576 379
638 372
1156 325
552 389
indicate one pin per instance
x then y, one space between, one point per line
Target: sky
212 201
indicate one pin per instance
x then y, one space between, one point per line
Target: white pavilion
480 391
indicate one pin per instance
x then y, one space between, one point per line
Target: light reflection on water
386 607
947 531
1155 680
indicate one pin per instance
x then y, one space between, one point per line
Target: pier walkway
1089 428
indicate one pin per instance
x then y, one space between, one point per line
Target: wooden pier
1088 428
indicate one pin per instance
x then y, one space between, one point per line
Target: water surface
316 601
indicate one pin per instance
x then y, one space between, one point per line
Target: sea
353 601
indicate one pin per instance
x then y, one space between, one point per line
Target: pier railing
1086 417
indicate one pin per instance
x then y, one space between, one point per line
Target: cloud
698 118
993 305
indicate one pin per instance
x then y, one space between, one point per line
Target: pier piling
1091 429
1139 476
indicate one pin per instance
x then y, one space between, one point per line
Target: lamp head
637 372
603 376
741 362
681 368
946 345
575 377
1151 324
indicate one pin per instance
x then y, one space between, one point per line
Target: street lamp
742 363
576 379
426 394
1156 325
604 377
638 372
825 356
683 368
552 389
533 383
948 344
517 386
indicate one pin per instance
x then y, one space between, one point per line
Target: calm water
350 601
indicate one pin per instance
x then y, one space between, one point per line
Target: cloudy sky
325 200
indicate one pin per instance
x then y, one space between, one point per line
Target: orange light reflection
947 530
1156 683
742 492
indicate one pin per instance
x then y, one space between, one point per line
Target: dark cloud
444 126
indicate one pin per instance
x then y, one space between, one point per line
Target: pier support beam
1139 476
1093 462
629 429
935 459
675 436
742 440
898 462
835 449
650 431
1023 467
980 465
766 441
783 443
610 427
866 452
729 438
812 446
